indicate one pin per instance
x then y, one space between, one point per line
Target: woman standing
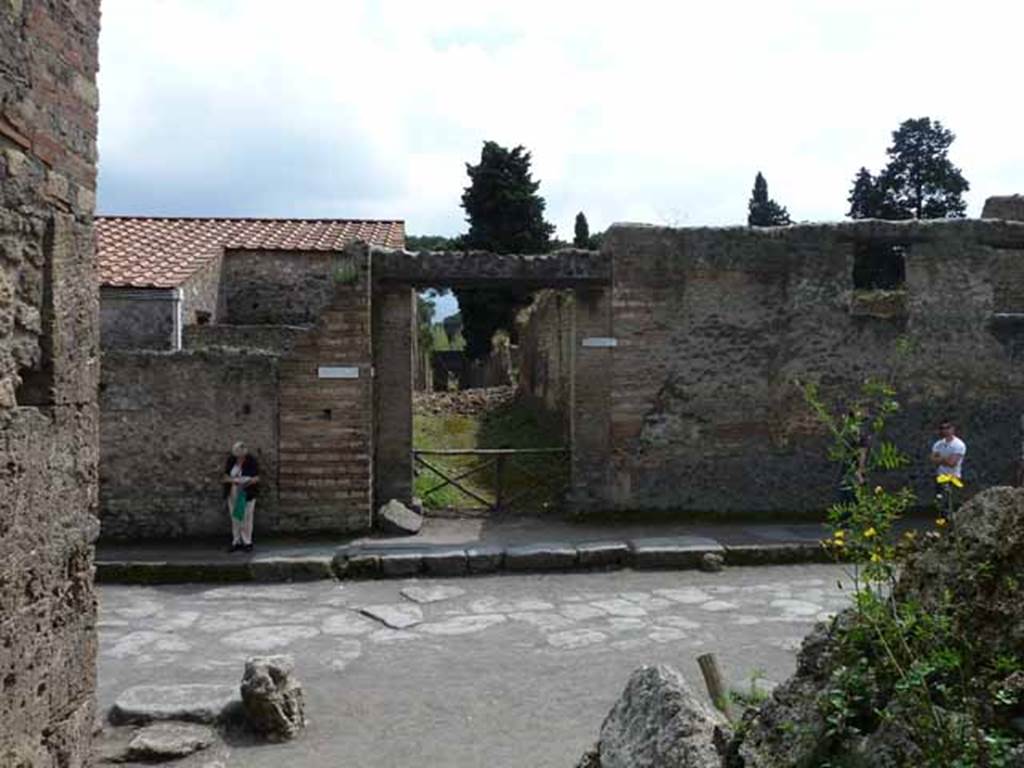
241 486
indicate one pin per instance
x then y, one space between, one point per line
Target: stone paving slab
194 703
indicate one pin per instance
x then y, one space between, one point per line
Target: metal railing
547 487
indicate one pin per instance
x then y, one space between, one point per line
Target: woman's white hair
238 448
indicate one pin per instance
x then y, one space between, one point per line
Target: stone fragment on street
395 517
712 562
431 594
658 722
272 697
169 741
396 616
196 703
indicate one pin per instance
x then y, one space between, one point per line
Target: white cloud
633 111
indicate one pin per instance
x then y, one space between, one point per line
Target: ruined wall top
564 268
1004 207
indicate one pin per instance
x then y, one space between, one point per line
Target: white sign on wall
338 372
600 342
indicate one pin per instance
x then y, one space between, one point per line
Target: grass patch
532 483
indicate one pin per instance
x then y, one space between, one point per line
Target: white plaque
600 342
338 372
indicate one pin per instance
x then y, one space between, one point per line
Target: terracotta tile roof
164 252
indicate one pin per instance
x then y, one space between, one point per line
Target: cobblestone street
499 671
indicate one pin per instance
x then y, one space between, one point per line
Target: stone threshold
383 561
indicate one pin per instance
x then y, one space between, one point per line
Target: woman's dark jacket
249 469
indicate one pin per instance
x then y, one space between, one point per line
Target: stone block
398 563
349 564
193 703
671 552
169 741
272 698
395 517
541 557
485 558
603 554
776 554
445 562
307 568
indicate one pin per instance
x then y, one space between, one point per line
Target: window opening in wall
879 267
36 389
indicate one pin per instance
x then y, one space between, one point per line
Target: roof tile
141 252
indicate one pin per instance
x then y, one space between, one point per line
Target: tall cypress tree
865 197
505 215
581 237
762 210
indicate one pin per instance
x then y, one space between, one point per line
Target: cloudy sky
642 111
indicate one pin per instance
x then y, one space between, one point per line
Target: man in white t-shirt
949 451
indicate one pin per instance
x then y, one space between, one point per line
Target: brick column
590 424
394 326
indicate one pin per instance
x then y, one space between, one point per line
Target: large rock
197 703
395 517
169 741
658 722
272 698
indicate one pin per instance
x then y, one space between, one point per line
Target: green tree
582 233
918 182
505 215
432 243
866 198
763 211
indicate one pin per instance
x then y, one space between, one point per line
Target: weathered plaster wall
278 287
48 373
169 420
139 318
546 349
714 325
201 299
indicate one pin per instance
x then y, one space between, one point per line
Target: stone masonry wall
168 423
138 318
1004 207
545 351
278 287
714 325
48 373
326 423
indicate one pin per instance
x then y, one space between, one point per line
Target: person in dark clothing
241 487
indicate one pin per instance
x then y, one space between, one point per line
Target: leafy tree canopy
505 215
918 182
582 231
762 210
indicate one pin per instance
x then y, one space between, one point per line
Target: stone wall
168 423
201 299
140 318
546 350
326 413
1004 207
48 369
713 326
271 338
279 287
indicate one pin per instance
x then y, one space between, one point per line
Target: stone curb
384 562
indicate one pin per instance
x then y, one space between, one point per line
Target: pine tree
920 181
865 197
505 215
582 233
762 210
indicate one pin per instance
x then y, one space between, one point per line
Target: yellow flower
910 535
870 532
957 481
875 557
945 479
940 521
840 533
879 490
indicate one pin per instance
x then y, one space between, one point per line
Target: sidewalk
470 546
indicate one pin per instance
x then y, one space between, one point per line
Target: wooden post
500 479
716 687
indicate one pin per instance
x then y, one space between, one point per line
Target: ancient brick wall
139 318
201 298
48 373
278 287
169 420
326 413
545 351
712 327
